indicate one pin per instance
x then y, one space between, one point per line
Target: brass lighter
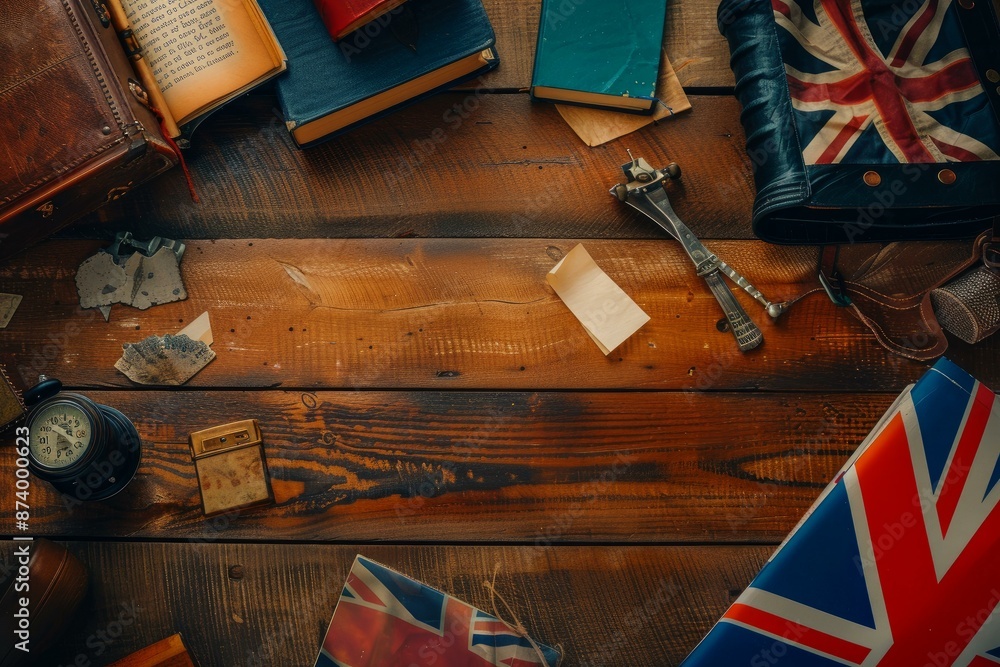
232 470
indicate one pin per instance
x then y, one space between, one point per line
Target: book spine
538 44
134 52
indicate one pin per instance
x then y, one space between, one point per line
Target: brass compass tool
644 192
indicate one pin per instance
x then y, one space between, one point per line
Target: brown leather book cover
75 134
342 17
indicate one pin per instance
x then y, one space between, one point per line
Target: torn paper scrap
199 329
599 126
171 359
136 280
606 312
8 304
151 281
99 281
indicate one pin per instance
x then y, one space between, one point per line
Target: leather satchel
868 120
73 125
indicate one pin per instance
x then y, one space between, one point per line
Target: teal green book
331 87
603 53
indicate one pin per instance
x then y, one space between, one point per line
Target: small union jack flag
898 562
876 81
384 619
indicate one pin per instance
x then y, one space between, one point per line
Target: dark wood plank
530 468
253 605
455 313
507 168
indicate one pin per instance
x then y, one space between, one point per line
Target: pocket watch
86 450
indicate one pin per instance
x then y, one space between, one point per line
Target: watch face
59 435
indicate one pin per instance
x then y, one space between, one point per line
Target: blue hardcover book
601 54
331 87
896 564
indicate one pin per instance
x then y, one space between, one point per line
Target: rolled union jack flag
898 562
384 619
883 82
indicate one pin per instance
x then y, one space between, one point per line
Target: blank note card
607 313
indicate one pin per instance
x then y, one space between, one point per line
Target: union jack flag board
880 81
384 619
898 562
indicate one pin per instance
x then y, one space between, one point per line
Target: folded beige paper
598 126
607 313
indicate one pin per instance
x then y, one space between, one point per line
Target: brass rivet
967 4
947 176
993 75
106 130
872 178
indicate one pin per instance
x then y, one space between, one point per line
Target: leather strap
991 249
901 317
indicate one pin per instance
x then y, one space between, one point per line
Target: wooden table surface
379 304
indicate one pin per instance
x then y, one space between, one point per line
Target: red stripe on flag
849 91
956 77
885 93
909 40
925 614
958 473
799 634
980 661
492 626
956 153
362 590
832 151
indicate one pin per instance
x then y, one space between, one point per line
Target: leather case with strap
868 120
74 132
888 287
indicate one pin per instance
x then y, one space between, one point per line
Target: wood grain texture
256 605
498 166
529 468
455 313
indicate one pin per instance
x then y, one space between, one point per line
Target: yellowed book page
598 126
201 51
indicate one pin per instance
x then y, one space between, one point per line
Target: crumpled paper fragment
169 360
141 282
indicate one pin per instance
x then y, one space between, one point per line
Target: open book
203 54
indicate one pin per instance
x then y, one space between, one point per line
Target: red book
342 17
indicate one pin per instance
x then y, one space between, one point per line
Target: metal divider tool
644 192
